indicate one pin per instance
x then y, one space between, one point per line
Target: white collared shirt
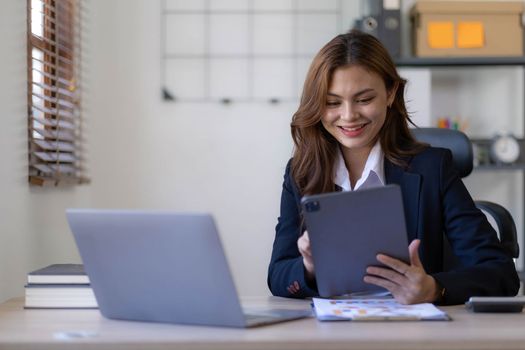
373 173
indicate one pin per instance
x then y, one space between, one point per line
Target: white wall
33 230
228 160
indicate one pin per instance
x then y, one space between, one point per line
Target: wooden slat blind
54 92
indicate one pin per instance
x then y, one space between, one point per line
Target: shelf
492 167
483 151
459 61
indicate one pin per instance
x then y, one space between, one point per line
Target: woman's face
356 107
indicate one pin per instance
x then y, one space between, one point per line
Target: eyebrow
355 95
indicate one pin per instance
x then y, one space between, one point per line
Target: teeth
353 129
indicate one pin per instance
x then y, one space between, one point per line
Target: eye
332 103
365 100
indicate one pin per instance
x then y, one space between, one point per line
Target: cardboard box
467 28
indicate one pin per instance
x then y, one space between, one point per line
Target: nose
348 112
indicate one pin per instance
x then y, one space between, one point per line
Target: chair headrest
456 141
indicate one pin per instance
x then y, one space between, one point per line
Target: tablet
347 230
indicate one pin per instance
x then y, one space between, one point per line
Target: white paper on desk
374 310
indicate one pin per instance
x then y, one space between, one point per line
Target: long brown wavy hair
315 149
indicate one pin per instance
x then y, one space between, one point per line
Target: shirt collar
373 172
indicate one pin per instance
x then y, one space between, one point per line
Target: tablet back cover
348 229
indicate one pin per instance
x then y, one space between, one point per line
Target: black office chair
461 149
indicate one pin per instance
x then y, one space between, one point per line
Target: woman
350 132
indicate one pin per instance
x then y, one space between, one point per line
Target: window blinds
54 93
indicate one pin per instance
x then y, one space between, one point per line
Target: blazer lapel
410 185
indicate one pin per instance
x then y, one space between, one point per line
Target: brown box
467 28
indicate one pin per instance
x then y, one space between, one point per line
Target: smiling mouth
352 129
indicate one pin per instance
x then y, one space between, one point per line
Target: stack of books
59 286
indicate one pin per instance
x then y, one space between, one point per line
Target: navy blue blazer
436 202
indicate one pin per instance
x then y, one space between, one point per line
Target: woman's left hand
408 283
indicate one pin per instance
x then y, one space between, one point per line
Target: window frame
55 142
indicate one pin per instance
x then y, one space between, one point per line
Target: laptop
162 267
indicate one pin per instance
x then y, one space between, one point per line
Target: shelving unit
460 61
451 62
484 145
474 62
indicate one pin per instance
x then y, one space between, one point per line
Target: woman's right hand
303 243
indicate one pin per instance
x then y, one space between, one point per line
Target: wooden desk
43 329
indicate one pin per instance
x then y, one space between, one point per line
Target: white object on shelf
504 149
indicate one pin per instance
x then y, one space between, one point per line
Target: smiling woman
355 112
351 132
343 56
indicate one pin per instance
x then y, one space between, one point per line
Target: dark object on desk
349 229
495 304
59 274
462 154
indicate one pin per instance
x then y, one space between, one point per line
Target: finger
387 274
394 264
305 252
304 239
390 286
304 245
413 251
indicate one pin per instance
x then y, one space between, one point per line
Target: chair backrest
462 156
456 141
